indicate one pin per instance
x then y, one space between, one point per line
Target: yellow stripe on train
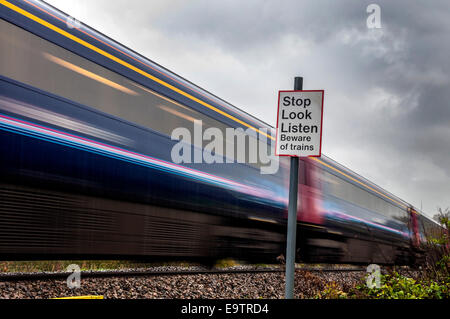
128 65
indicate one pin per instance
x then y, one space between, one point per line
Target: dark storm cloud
387 110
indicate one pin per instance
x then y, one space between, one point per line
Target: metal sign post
299 134
292 217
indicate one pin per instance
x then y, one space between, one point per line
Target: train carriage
86 168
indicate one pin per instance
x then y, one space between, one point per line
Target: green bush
396 286
332 291
444 264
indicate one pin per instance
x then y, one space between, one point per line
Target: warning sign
299 123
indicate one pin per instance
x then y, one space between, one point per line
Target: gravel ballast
225 286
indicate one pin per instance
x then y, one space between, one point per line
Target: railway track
151 273
168 282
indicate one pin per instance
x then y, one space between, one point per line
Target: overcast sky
387 90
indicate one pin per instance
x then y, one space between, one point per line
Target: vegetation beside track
392 286
100 265
85 265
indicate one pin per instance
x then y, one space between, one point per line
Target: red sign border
321 123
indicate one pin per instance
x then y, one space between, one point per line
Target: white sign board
299 123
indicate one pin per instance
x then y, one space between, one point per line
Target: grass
226 263
61 265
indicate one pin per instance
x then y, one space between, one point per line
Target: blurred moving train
86 169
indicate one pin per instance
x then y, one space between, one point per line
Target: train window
429 228
347 191
425 227
37 62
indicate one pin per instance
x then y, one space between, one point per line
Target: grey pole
292 216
